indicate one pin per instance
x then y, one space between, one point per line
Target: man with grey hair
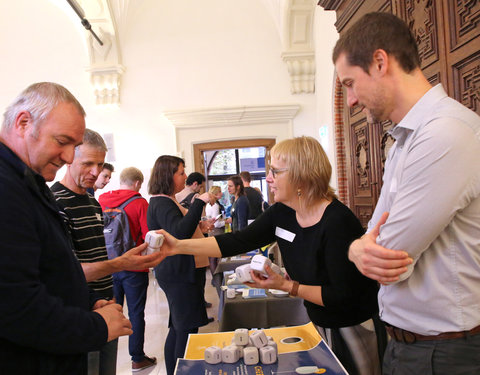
84 218
49 319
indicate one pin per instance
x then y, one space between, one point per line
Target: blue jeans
133 286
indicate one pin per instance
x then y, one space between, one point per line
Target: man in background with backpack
83 216
130 284
193 185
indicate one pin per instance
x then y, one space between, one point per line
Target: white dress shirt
432 191
212 212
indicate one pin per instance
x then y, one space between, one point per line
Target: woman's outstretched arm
198 246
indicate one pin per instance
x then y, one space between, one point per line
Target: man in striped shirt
84 218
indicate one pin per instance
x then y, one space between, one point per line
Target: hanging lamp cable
80 13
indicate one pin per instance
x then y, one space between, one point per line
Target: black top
316 255
46 322
255 202
163 213
187 201
239 213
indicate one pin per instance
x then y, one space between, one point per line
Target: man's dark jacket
46 322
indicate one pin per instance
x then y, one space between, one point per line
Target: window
219 165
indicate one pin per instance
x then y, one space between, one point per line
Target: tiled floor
156 318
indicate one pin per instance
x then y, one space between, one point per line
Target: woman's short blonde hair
309 169
215 189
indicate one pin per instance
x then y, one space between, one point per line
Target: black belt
408 337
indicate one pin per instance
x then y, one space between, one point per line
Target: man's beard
374 116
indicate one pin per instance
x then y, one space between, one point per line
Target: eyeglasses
276 171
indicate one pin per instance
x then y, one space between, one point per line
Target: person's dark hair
238 183
161 179
374 31
245 175
195 177
109 167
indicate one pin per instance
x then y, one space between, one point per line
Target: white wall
178 54
325 37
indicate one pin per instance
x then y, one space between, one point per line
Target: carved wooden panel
363 213
434 79
350 11
355 111
464 17
421 17
386 142
386 6
345 14
463 57
466 75
448 35
362 160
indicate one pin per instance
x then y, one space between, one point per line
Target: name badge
284 234
99 217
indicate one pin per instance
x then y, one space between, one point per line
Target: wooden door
462 25
366 146
448 36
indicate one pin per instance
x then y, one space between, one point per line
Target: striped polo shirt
84 218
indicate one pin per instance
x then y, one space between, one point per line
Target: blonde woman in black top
313 230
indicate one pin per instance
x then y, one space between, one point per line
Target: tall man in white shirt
426 252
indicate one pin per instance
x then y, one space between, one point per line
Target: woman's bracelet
294 290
